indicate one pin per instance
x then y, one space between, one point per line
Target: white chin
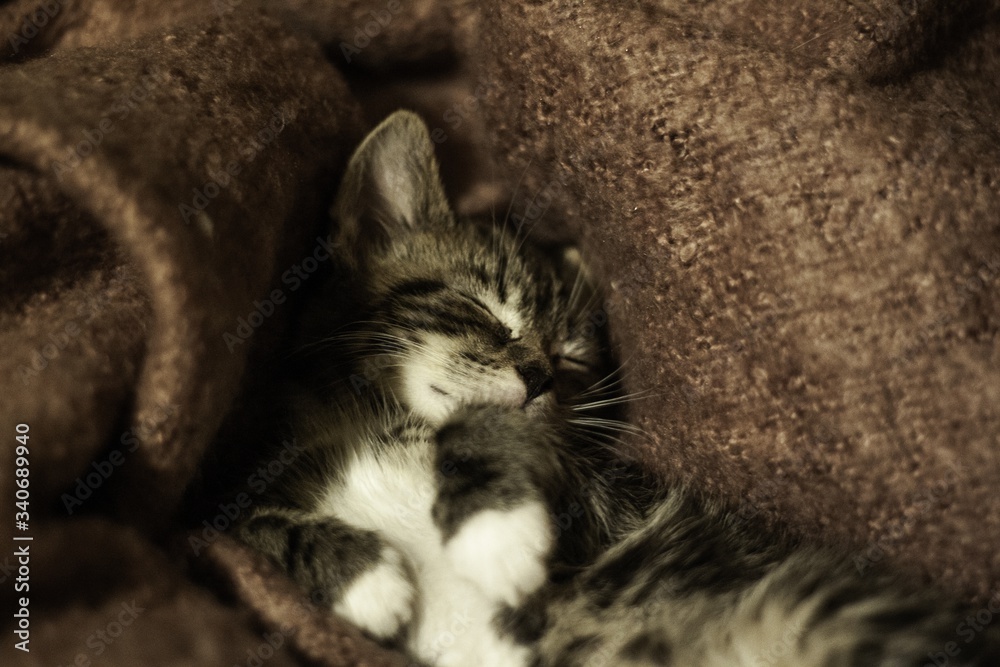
435 400
429 404
541 404
425 398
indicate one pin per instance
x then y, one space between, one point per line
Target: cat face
462 313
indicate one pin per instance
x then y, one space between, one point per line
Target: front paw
380 600
491 653
458 627
504 552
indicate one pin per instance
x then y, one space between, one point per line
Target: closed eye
500 331
574 363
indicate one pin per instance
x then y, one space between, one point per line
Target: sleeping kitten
417 526
463 496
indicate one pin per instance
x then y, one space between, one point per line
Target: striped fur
696 586
434 416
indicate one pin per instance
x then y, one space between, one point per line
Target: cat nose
537 380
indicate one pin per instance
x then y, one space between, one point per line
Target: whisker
615 400
502 239
606 424
606 384
513 196
575 292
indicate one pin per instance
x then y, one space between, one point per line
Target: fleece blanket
793 210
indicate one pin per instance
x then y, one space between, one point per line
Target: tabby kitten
433 419
462 494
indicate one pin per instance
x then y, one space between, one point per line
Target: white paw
381 599
456 628
498 653
504 551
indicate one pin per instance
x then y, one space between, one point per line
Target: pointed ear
391 186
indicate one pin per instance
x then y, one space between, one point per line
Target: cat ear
391 185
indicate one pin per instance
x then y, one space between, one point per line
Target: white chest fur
391 490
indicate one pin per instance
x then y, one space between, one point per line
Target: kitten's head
461 313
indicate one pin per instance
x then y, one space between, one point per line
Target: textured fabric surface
794 210
802 262
162 164
873 39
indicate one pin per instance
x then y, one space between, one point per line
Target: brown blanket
795 212
798 220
